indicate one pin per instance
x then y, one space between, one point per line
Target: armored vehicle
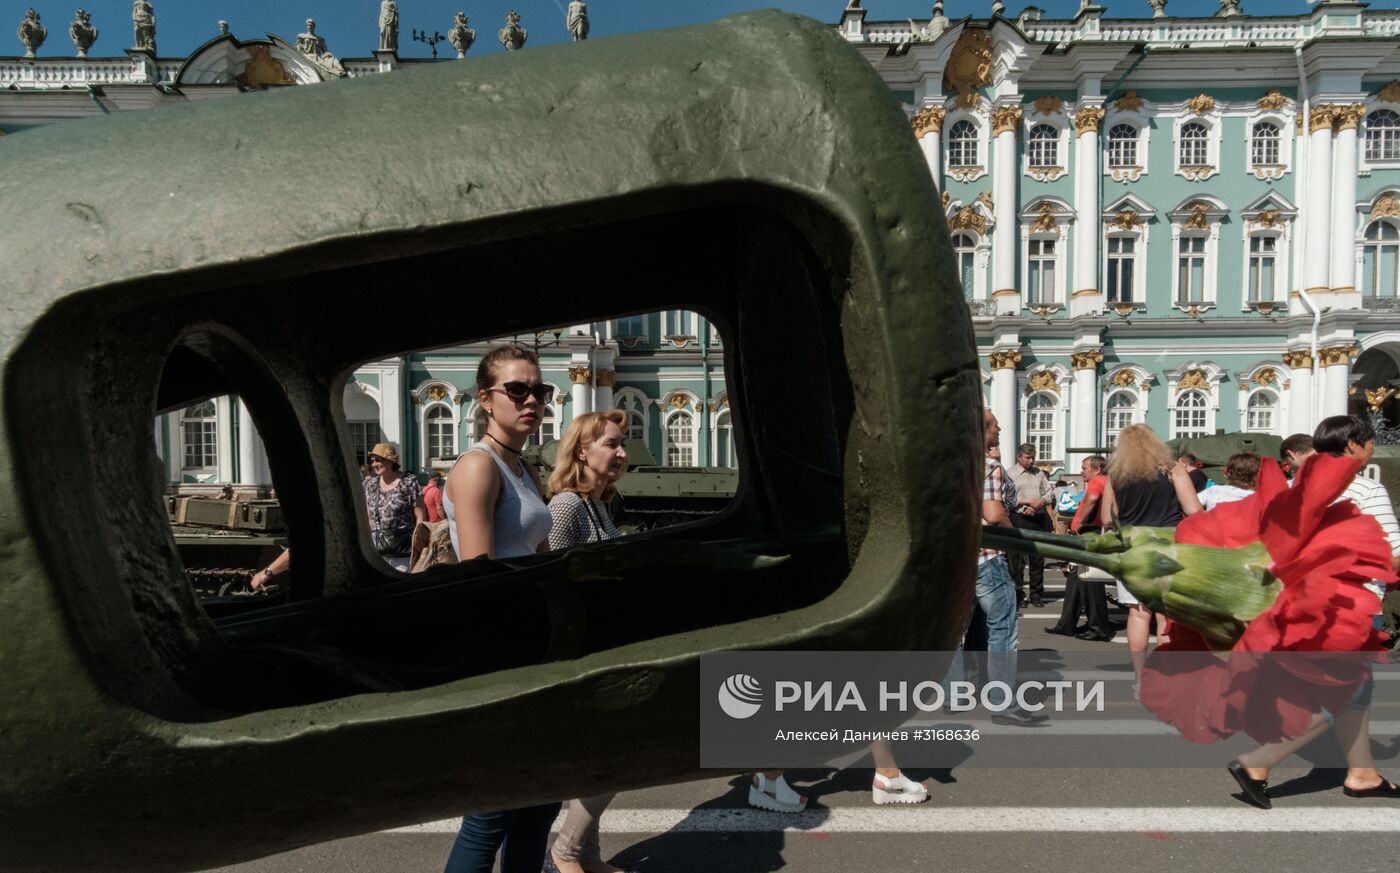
760 154
223 541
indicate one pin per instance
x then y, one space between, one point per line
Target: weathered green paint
756 168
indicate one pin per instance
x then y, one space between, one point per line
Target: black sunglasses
517 392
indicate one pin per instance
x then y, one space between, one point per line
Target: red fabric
1092 488
432 499
1322 554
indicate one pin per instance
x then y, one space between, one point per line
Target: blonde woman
589 460
1145 488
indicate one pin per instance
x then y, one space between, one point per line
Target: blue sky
350 29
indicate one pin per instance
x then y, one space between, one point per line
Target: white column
1084 414
1317 276
1004 399
253 468
223 417
1335 363
391 408
1087 297
605 377
1299 234
580 384
928 127
1343 266
1300 392
1005 120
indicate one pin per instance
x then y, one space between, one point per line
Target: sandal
775 795
899 789
1385 789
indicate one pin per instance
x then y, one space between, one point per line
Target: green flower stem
1058 546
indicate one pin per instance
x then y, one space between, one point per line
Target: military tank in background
223 540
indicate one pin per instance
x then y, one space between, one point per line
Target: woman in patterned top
394 500
590 459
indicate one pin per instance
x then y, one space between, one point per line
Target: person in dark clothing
1086 595
1199 480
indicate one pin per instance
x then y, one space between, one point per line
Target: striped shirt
994 483
1371 498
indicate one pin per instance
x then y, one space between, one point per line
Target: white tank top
522 520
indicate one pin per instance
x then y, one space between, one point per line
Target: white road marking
933 818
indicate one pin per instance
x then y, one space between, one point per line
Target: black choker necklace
501 444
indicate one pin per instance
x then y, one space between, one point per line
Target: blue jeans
996 603
521 835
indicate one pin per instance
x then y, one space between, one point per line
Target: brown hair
1242 470
486 370
584 430
1139 454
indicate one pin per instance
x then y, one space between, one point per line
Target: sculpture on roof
1229 8
31 33
460 35
513 35
578 20
388 26
223 27
1159 8
143 23
313 45
82 32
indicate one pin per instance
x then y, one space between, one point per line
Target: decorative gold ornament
1046 222
1043 311
580 375
1298 120
1193 379
607 378
970 100
1042 381
928 120
968 218
1322 115
1266 376
1333 356
1387 206
1349 116
1390 93
1049 104
679 401
985 198
1129 102
1126 219
970 64
1088 119
1351 391
1194 310
1265 306
946 198
1086 360
1298 359
1006 360
1006 118
1268 218
1272 101
1201 104
436 393
1197 219
1123 379
1124 309
1376 397
263 70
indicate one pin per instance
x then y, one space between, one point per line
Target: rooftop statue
143 22
513 35
31 33
388 26
313 45
82 32
461 36
578 20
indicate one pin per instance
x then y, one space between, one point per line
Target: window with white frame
1380 259
1265 148
632 325
199 431
962 144
1260 412
965 252
678 322
1122 146
1189 417
549 426
1382 136
1191 269
478 424
680 439
1263 264
635 408
363 436
1040 272
724 440
1042 419
1043 146
441 432
1193 147
1119 412
1122 261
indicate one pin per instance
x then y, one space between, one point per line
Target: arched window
1122 146
1122 256
680 439
724 440
962 145
1383 136
630 401
1380 259
965 250
442 432
362 420
1189 417
1259 413
1263 257
549 426
199 431
1195 138
1043 146
1042 412
1264 150
1120 412
479 424
1040 273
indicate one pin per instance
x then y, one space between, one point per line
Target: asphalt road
1039 817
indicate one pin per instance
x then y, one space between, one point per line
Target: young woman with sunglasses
495 509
